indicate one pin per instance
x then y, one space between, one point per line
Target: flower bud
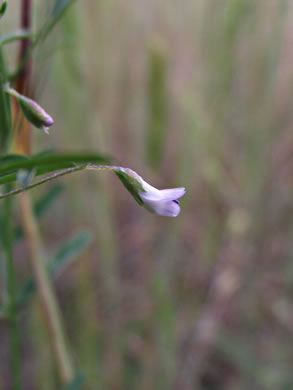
32 110
3 6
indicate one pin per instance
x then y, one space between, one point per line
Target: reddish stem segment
23 133
23 79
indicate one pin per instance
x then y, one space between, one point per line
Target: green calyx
32 112
31 109
3 6
131 183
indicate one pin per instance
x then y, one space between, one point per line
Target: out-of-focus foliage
203 301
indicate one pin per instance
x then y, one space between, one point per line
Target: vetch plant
20 171
161 202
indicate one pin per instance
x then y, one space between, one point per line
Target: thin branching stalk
55 175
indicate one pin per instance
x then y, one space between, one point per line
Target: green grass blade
63 256
76 384
45 202
157 105
12 157
8 178
42 205
51 162
69 251
59 9
14 36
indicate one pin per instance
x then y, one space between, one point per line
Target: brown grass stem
46 294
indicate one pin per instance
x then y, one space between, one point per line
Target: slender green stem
55 175
40 37
42 181
15 36
7 242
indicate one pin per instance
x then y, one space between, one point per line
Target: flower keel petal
168 209
164 208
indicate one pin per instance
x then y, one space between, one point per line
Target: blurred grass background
196 94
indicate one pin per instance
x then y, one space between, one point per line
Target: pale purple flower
161 202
